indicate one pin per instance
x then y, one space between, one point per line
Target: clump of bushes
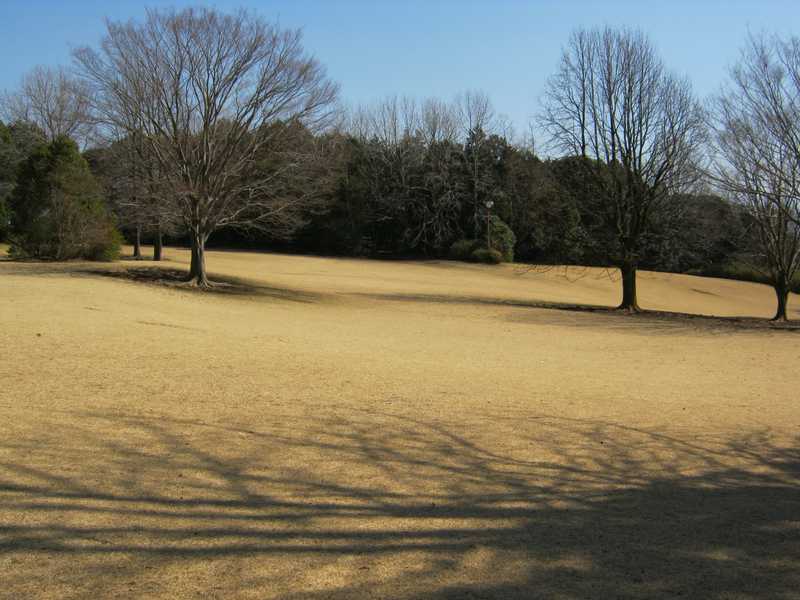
502 250
57 208
463 249
487 256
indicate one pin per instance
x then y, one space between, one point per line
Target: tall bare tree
214 96
478 120
638 127
438 122
53 100
757 124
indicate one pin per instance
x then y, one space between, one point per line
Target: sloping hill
358 429
573 285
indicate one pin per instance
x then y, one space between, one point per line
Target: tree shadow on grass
156 274
652 321
400 507
221 284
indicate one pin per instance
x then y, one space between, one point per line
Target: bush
463 249
485 255
57 209
503 239
107 245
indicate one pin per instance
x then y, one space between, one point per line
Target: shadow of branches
371 504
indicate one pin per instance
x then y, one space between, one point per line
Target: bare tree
134 187
438 121
478 120
214 96
54 101
475 111
407 149
390 127
757 124
639 129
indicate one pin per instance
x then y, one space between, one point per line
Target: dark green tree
17 142
57 208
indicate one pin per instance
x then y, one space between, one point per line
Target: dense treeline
418 197
232 135
429 199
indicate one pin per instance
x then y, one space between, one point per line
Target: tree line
196 121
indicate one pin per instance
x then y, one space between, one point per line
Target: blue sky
435 47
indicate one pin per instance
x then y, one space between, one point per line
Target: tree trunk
629 300
137 243
158 244
197 269
782 293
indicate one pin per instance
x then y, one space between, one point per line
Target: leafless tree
475 111
390 126
134 187
438 121
407 156
757 125
54 101
478 120
216 97
638 127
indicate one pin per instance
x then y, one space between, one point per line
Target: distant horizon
507 49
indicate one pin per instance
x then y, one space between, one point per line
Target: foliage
57 209
503 239
703 233
6 181
488 256
409 199
17 141
463 249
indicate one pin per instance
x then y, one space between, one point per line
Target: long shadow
400 507
661 320
221 284
158 275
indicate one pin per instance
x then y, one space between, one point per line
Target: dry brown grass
356 429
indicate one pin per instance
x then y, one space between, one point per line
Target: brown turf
326 428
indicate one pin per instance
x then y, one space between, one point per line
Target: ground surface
356 429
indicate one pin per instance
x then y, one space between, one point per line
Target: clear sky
421 48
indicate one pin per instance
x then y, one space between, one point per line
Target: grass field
329 428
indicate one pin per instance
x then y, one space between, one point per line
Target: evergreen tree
58 211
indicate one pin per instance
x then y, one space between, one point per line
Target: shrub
107 244
485 255
503 239
57 209
463 249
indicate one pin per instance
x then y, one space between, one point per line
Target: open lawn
330 428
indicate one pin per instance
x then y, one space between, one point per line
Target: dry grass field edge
336 428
